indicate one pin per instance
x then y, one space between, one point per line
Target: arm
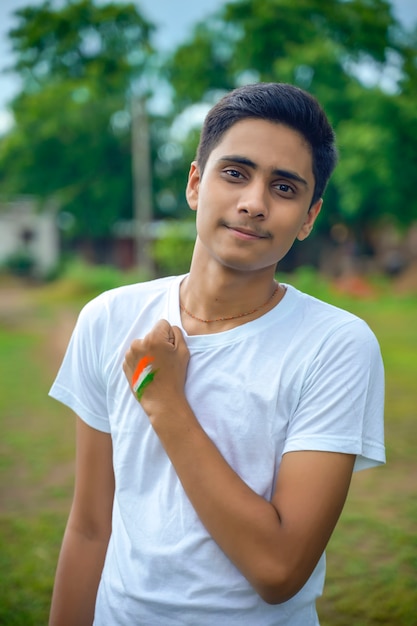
276 544
87 533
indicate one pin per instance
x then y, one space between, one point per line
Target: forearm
77 578
245 525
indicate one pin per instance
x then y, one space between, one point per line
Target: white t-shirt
304 376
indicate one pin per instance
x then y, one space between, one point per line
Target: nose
252 201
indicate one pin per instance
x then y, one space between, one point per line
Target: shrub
20 263
173 249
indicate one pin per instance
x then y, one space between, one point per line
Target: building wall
24 229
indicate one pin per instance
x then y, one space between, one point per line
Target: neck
213 304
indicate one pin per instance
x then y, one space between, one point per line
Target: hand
169 356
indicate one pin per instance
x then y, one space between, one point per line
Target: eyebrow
234 158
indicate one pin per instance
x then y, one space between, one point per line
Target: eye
284 188
232 173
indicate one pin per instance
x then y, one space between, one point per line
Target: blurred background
101 104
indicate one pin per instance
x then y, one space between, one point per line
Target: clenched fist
162 356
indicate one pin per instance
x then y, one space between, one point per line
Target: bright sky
174 18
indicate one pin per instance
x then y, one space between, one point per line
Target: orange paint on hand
144 362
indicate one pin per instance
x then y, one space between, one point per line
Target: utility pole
142 184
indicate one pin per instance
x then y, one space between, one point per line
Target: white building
25 230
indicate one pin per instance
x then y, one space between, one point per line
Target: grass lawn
372 556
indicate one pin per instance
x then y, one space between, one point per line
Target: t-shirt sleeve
80 380
342 401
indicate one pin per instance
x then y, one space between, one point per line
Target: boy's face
254 198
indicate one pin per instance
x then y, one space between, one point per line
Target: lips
248 233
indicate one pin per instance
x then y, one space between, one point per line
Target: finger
179 341
164 329
177 335
171 335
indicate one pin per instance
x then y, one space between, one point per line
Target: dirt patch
38 469
406 283
58 336
15 303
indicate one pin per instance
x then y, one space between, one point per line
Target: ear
312 214
193 185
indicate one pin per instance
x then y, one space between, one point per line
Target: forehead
268 144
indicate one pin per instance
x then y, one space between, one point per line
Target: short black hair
280 103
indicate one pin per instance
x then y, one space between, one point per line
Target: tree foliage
79 63
71 138
324 46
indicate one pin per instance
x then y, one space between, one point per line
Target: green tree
71 138
324 46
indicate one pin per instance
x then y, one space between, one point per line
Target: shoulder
107 319
127 298
324 334
325 320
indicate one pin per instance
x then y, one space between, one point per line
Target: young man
221 414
